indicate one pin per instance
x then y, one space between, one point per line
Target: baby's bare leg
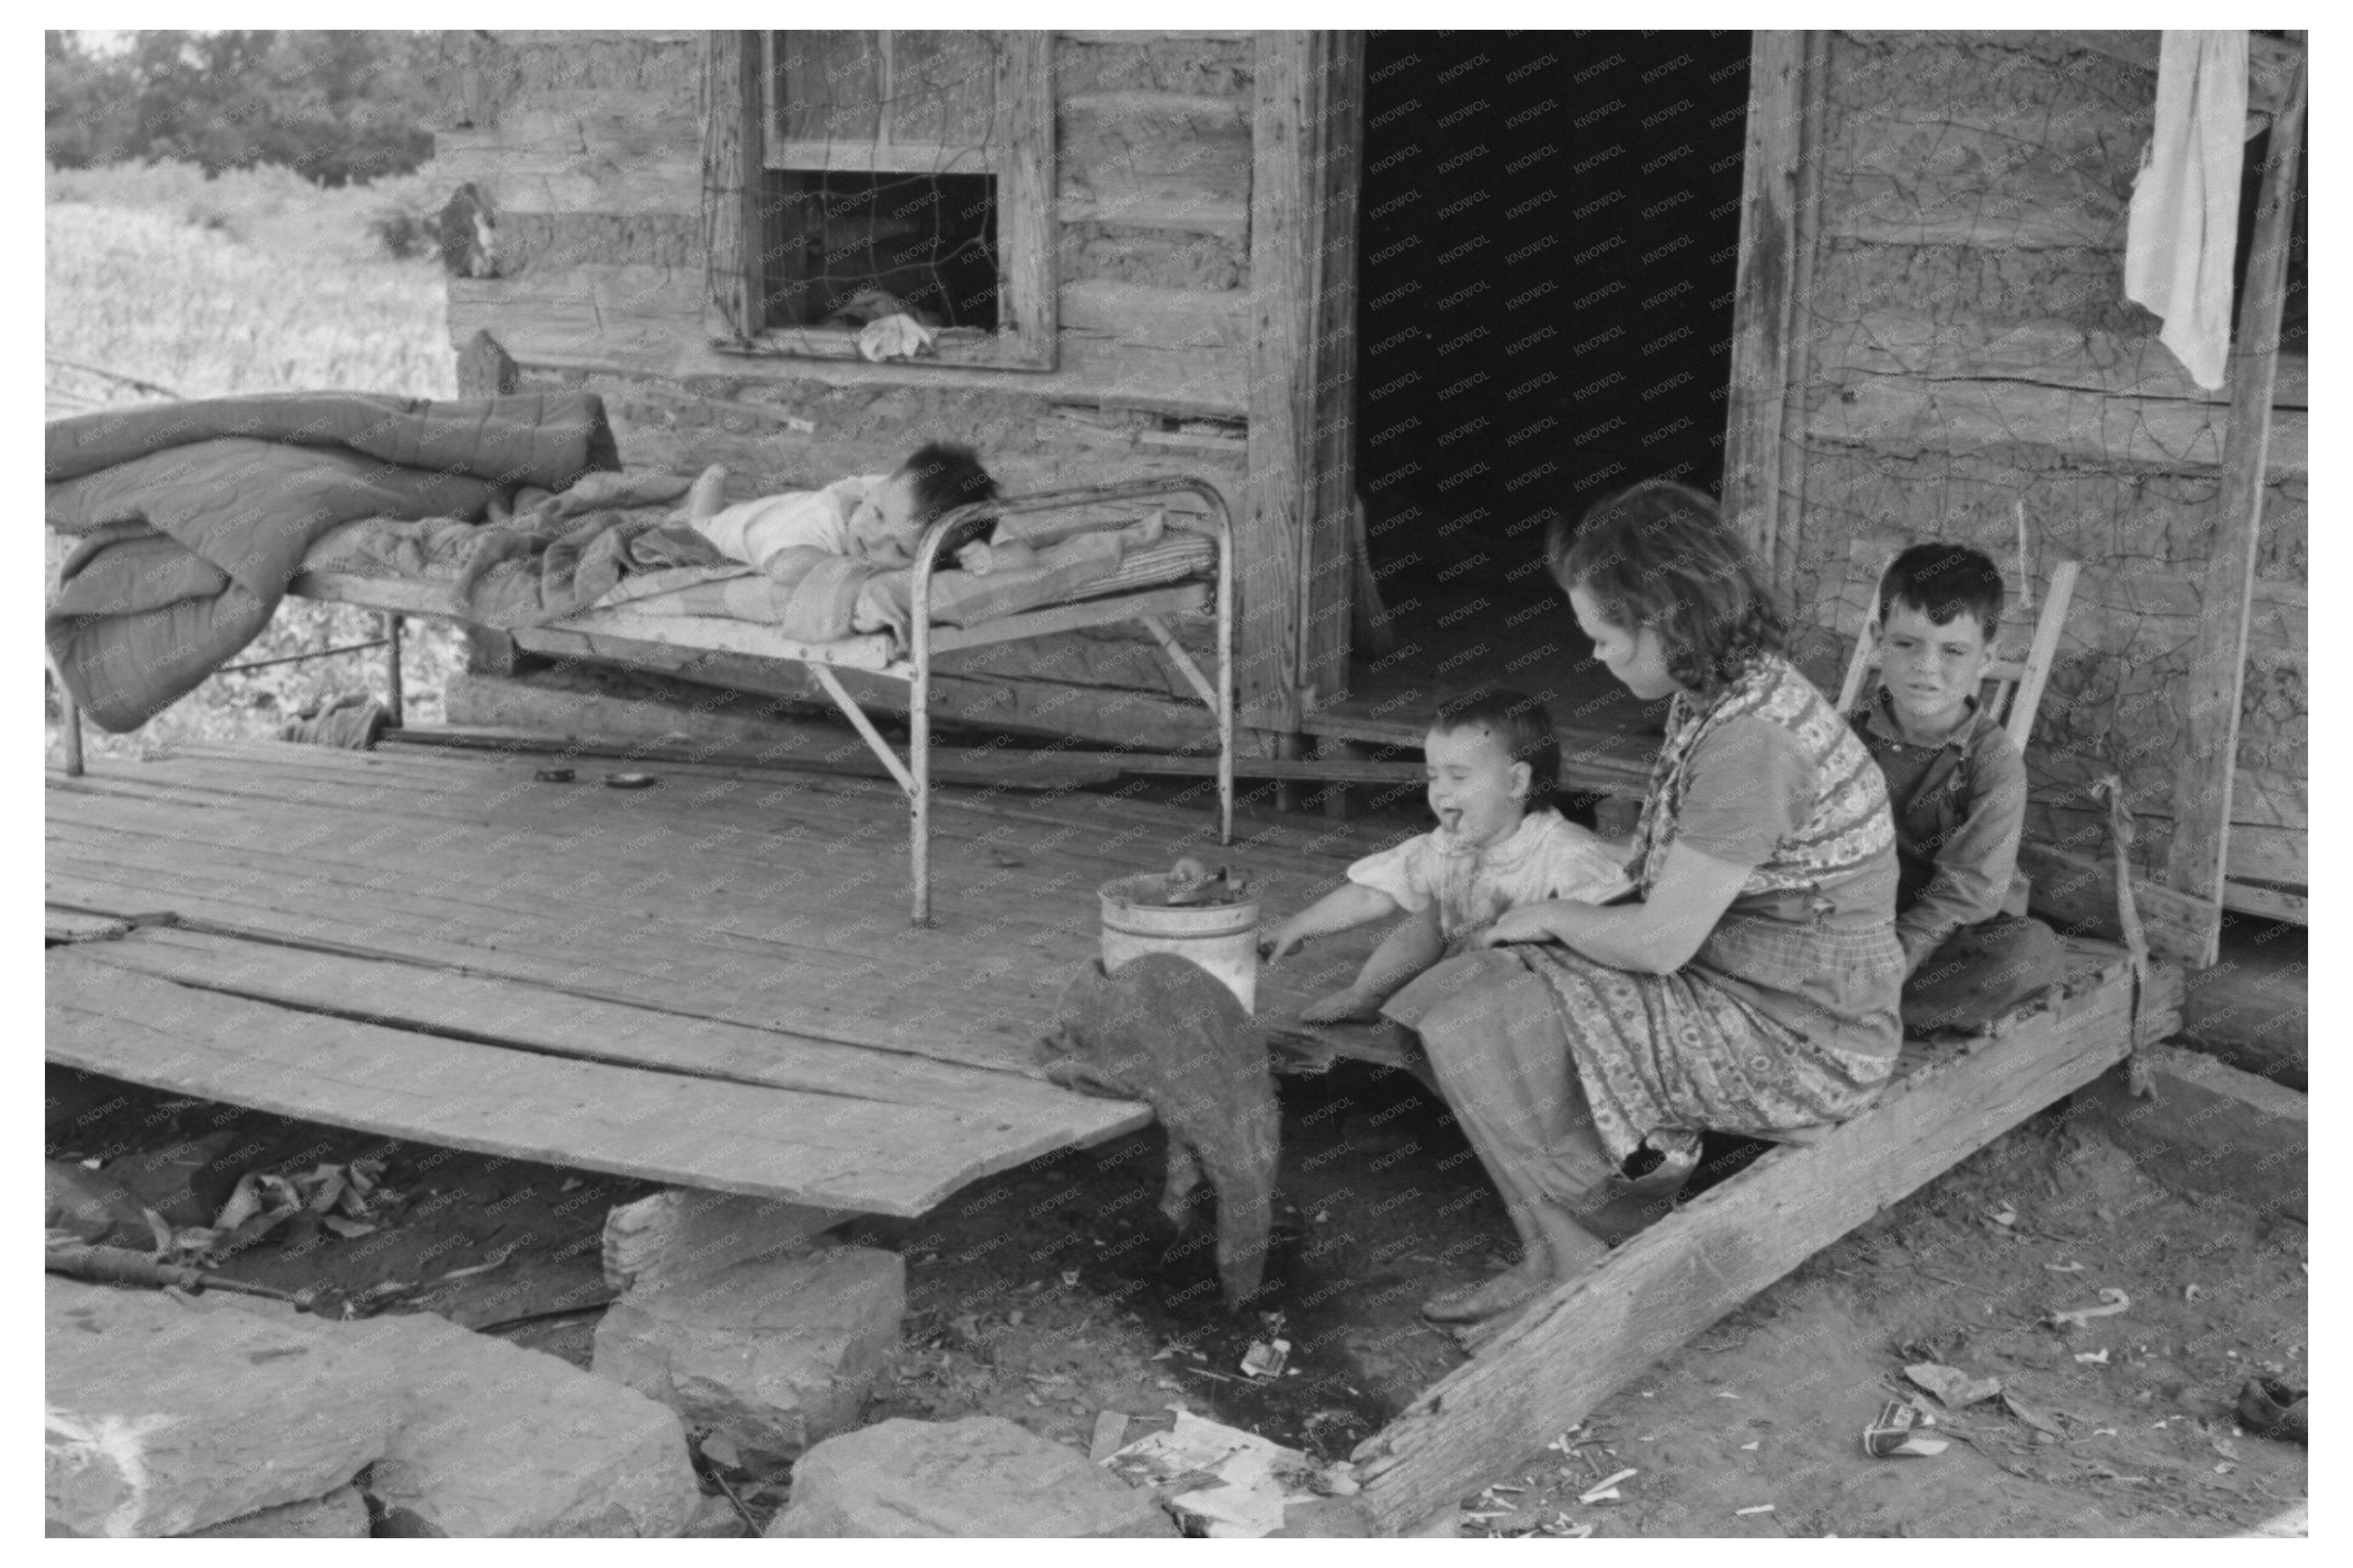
709 496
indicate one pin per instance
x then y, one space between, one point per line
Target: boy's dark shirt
1959 806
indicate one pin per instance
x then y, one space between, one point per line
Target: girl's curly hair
1659 554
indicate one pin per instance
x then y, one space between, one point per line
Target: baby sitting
876 517
1493 763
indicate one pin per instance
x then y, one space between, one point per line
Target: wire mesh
886 198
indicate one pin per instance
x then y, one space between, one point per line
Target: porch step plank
1546 1371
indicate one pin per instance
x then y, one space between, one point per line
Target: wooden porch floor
711 982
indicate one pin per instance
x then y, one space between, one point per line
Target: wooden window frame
738 151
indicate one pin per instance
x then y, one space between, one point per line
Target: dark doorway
1550 237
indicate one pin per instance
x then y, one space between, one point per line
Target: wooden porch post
2198 859
1293 632
1786 73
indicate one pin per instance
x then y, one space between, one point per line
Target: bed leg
69 726
392 664
919 762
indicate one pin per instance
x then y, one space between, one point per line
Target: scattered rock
507 1441
342 1514
92 1205
772 1356
1951 1386
716 1519
980 1476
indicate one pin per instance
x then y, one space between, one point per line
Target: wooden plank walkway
711 982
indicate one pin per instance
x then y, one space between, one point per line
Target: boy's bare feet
709 496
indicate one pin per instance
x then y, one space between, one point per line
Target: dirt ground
1055 1291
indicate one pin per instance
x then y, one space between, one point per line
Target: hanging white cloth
2183 232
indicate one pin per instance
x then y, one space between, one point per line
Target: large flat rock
165 1415
982 1477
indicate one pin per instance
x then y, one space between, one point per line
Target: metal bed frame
397 597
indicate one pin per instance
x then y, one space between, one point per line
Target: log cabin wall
589 147
1964 347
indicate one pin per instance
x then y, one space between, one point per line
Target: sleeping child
1492 759
876 517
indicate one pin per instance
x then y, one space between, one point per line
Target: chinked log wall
589 146
1965 346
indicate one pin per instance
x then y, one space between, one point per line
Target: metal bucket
1220 938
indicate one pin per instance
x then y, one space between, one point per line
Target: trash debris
1955 1387
1749 1448
1265 1358
254 1196
2004 1216
2272 1408
1606 1487
477 1268
630 781
1223 1482
1190 882
552 776
2039 1422
2065 1268
1759 1508
1110 1431
1893 1435
1561 1526
2191 1292
2116 1303
2096 1358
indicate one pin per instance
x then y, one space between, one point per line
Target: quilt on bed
630 547
192 516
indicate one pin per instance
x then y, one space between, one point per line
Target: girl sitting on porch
1754 988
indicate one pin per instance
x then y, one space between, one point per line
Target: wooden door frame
1292 549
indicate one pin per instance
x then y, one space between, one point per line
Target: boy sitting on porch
878 517
1957 785
1491 753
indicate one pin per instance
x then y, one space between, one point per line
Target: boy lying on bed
876 517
